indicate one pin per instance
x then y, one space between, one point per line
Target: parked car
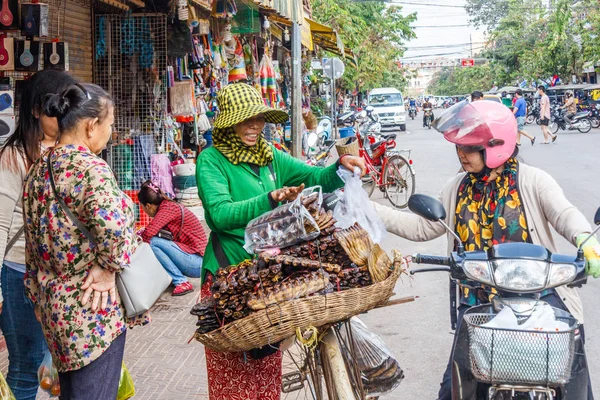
389 107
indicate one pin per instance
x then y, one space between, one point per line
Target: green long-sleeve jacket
233 195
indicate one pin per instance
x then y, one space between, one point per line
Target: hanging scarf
489 212
232 147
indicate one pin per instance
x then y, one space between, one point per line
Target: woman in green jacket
239 179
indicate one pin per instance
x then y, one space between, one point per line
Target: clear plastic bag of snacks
48 377
286 225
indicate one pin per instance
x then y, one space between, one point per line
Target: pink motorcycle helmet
484 124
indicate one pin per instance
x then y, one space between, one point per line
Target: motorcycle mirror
312 139
597 217
427 207
432 209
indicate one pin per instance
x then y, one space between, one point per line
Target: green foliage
375 32
462 80
589 26
528 41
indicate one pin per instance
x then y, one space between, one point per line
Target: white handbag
143 282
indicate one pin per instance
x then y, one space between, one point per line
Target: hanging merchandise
179 39
182 10
182 99
128 36
162 173
268 84
56 55
34 19
224 8
27 55
7 54
145 45
9 15
204 27
235 59
101 38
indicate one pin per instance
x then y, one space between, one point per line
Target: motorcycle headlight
520 275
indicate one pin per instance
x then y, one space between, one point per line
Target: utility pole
296 90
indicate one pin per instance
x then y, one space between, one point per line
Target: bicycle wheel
301 374
585 125
595 122
553 127
369 182
399 181
530 119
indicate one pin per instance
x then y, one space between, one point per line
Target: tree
486 13
462 80
375 32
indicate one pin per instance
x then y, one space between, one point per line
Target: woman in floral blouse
71 282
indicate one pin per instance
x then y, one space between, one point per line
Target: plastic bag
380 371
354 206
286 225
542 319
48 377
5 392
126 387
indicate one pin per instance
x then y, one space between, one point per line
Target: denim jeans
175 261
23 334
99 380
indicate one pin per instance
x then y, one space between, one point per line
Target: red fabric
231 377
191 239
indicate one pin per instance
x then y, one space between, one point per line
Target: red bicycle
387 168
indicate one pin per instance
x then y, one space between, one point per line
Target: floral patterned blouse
59 256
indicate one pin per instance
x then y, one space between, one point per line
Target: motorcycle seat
389 136
375 145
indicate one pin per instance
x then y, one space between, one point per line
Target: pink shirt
545 106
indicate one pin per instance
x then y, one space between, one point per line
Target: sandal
533 141
554 138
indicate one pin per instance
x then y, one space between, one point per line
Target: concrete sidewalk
162 363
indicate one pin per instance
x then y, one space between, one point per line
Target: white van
389 106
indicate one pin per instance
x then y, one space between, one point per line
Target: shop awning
325 37
289 9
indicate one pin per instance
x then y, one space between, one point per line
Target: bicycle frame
381 161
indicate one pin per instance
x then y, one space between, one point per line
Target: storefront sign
467 62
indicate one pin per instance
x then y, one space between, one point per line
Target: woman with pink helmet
497 199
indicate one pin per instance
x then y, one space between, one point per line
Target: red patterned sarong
233 377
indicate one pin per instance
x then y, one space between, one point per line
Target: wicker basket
347 146
280 322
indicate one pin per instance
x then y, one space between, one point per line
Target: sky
446 27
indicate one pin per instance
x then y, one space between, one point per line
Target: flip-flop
533 141
554 138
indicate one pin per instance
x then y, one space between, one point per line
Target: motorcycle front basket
507 356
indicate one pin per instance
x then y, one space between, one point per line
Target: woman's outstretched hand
287 193
350 162
99 285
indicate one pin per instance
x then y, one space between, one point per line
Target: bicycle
325 369
387 169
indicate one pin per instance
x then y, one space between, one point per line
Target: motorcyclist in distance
427 104
570 106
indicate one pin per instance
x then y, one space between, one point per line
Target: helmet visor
463 125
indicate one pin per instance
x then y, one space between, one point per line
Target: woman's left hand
99 285
350 162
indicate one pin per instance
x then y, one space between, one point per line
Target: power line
425 4
442 46
440 26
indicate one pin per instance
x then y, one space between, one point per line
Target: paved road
419 332
165 367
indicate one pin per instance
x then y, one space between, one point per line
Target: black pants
98 380
445 392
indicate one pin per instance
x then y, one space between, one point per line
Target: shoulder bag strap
63 205
222 259
14 239
182 221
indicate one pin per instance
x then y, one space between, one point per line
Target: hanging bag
143 282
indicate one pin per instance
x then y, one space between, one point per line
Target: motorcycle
412 112
346 119
368 122
580 121
595 115
533 114
498 360
428 117
314 142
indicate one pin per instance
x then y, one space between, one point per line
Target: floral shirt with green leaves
59 256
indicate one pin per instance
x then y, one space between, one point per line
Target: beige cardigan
544 202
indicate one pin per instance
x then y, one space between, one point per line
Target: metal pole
333 101
296 90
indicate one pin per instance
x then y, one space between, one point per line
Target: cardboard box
7 102
34 20
7 54
7 127
56 56
27 55
9 15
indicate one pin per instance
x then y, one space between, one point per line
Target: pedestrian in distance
520 112
476 95
175 235
545 115
35 132
498 199
70 277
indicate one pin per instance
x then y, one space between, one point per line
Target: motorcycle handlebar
434 260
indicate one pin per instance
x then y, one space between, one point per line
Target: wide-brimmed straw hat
239 101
